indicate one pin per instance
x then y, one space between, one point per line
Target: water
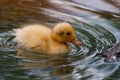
96 23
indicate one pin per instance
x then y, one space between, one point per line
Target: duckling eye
68 33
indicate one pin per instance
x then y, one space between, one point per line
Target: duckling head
64 32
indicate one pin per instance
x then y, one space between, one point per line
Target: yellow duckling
43 39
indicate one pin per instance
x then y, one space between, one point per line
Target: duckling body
43 39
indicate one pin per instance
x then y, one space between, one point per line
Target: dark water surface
97 25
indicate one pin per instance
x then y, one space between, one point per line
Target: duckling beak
77 42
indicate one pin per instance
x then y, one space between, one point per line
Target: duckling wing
33 37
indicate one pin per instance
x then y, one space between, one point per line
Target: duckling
43 39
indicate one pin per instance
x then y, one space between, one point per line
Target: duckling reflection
58 65
35 58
